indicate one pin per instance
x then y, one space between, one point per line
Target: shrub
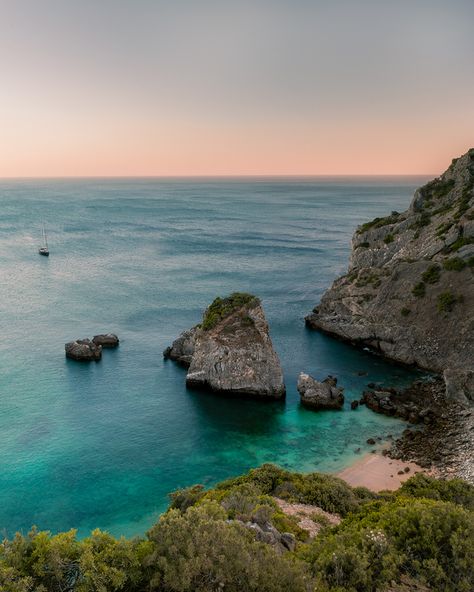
452 490
422 220
182 499
419 290
461 242
388 239
432 274
405 312
224 307
200 552
454 264
379 222
427 539
446 302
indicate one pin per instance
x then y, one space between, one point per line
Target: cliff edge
409 289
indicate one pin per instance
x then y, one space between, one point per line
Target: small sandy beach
378 472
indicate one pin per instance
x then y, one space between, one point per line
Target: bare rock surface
83 350
106 340
409 289
320 395
231 351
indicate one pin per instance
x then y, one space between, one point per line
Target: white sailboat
44 250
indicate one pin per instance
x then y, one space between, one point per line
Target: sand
378 472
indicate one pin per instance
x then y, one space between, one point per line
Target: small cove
102 445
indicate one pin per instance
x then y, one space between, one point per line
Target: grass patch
423 220
461 242
432 274
446 302
221 308
379 222
419 290
454 264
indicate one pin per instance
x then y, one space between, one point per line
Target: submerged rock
83 350
320 395
106 340
408 290
231 351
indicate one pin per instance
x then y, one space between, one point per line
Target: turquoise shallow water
101 445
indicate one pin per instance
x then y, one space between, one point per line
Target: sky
234 87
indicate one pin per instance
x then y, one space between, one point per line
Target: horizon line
221 176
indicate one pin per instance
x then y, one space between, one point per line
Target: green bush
182 499
454 264
424 532
224 307
432 274
426 539
419 290
379 222
388 239
453 490
461 242
405 311
200 551
446 302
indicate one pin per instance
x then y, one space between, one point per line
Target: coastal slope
409 289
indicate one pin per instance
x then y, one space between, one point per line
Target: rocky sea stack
409 290
231 350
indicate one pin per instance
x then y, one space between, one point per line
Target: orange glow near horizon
229 89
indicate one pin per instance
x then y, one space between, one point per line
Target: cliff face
409 290
231 351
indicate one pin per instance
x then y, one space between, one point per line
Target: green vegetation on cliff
208 541
221 308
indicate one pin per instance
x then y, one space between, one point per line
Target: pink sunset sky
280 87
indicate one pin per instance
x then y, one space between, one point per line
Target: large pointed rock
231 351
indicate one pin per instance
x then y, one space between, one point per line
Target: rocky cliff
231 350
409 289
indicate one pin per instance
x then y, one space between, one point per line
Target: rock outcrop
83 350
320 395
106 340
231 351
409 290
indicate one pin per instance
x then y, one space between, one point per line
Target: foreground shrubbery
424 531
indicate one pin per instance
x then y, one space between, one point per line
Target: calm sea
102 445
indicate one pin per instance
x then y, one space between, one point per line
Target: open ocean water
102 444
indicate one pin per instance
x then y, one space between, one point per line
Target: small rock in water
354 404
106 340
83 350
371 441
320 395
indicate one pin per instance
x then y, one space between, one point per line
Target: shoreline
379 472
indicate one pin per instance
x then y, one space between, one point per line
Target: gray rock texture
231 351
409 290
106 340
83 350
320 395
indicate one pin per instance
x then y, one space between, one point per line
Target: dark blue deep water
101 445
